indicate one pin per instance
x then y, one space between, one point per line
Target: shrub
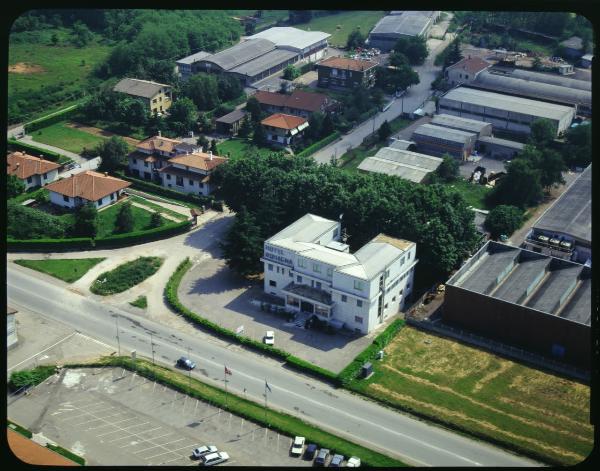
28 378
36 151
30 223
50 245
156 220
138 237
55 118
66 453
319 144
126 275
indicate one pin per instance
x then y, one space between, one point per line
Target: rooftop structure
401 163
194 57
88 185
299 100
463 124
158 143
232 117
241 53
200 160
24 165
292 38
141 88
540 77
395 26
401 144
264 62
471 65
348 64
445 133
285 121
574 42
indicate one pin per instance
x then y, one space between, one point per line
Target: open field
68 270
238 147
64 136
108 216
341 25
485 394
474 195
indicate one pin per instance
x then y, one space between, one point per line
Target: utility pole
152 348
189 371
118 340
265 400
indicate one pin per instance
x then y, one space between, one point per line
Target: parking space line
151 430
155 438
175 459
128 434
171 451
106 417
131 426
81 415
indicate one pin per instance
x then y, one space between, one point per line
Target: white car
298 446
204 450
214 458
269 338
353 462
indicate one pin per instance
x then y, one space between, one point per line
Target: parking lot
214 292
112 416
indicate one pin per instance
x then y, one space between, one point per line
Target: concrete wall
11 331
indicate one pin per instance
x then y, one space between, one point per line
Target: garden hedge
319 144
37 151
50 245
55 118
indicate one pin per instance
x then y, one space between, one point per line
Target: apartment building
156 96
308 266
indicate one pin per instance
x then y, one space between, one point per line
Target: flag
267 386
228 371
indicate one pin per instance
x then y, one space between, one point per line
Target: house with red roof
299 103
190 172
465 70
282 129
32 171
86 187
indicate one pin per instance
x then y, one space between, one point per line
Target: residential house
86 187
465 70
154 153
230 123
308 267
299 103
156 96
282 129
341 72
191 173
32 171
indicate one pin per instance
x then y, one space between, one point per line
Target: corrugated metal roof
263 62
240 53
456 122
553 79
440 132
306 229
501 142
194 57
232 117
291 37
141 88
405 164
510 103
397 25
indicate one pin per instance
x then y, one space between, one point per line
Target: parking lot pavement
112 416
213 291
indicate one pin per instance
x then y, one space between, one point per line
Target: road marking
45 350
95 340
154 438
191 445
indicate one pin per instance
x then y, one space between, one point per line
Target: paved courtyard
111 416
214 292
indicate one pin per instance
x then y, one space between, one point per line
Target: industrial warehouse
398 24
439 140
401 163
260 55
506 113
479 128
525 299
565 229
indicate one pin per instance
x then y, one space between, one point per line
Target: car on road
269 337
186 363
353 462
310 451
336 461
298 446
321 457
204 450
214 458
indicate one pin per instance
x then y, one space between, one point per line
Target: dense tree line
276 191
207 91
414 48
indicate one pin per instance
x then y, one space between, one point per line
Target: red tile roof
348 64
299 100
271 98
88 185
24 165
158 143
283 121
472 65
199 160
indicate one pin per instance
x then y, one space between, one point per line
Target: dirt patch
101 132
25 68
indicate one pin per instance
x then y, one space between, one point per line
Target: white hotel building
307 266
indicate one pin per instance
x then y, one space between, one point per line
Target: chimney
159 133
210 155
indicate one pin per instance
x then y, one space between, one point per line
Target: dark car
310 451
186 363
321 457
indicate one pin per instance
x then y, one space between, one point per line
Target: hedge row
66 453
17 428
173 300
319 144
118 240
55 118
36 151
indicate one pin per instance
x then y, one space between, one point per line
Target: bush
319 144
66 453
31 223
126 276
45 122
503 220
50 245
138 237
28 378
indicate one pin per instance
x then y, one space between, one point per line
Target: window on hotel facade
168 176
299 279
358 319
291 274
301 263
318 284
330 272
272 283
316 268
321 311
65 198
344 298
358 303
146 164
134 161
358 285
291 301
29 180
270 267
191 182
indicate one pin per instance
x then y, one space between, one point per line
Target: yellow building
157 96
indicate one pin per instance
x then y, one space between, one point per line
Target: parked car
298 446
186 363
321 457
214 458
269 337
353 462
310 451
336 461
203 450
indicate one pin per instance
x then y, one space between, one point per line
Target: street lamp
118 340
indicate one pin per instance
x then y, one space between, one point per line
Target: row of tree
269 193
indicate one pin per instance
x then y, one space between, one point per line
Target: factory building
479 128
401 24
498 148
506 113
525 299
439 140
401 163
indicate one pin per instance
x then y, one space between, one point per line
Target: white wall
57 199
11 331
196 187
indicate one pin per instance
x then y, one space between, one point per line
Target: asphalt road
336 410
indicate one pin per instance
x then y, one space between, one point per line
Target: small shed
586 60
231 122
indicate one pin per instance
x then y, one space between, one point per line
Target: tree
299 16
243 246
112 153
315 125
54 39
520 186
125 220
183 116
203 89
503 220
260 136
328 126
543 132
454 54
156 220
385 131
245 127
390 80
284 87
136 113
86 221
578 151
202 141
290 72
249 28
229 87
398 59
253 107
14 186
536 64
213 147
81 34
547 162
415 49
448 170
355 39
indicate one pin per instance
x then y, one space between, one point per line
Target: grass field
158 208
108 217
485 394
64 137
474 195
341 25
68 270
126 276
239 147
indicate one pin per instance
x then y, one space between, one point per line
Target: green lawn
341 25
68 270
108 217
62 136
32 193
126 276
474 195
141 302
239 147
158 208
486 394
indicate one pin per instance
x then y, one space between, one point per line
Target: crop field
479 392
341 25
